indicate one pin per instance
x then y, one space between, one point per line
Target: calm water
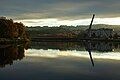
60 61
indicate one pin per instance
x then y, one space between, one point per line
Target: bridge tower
89 29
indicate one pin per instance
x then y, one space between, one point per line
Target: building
101 33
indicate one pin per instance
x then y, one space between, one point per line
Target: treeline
10 29
66 31
53 32
78 27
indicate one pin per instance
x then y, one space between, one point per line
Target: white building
101 33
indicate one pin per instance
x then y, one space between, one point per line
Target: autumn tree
9 29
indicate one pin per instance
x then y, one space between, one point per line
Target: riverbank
10 41
72 39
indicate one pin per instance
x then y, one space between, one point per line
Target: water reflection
72 48
78 46
10 53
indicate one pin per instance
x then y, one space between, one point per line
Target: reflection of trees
95 46
11 53
57 45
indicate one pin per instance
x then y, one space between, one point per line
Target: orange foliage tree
9 29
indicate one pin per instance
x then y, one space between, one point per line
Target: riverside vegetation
64 31
11 31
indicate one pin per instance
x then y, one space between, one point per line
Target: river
60 61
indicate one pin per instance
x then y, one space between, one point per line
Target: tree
9 29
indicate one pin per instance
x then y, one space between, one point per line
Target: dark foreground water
60 61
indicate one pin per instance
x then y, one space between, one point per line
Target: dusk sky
61 12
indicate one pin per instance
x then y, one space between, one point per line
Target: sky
61 12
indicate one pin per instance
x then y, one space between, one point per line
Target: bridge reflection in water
78 46
10 53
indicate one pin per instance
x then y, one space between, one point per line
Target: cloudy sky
56 12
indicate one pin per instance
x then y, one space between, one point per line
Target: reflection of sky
35 68
37 65
57 53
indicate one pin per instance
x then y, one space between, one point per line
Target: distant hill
78 27
66 30
115 27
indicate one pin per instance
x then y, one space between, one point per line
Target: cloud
60 9
58 22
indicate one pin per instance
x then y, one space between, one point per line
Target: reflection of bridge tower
88 48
